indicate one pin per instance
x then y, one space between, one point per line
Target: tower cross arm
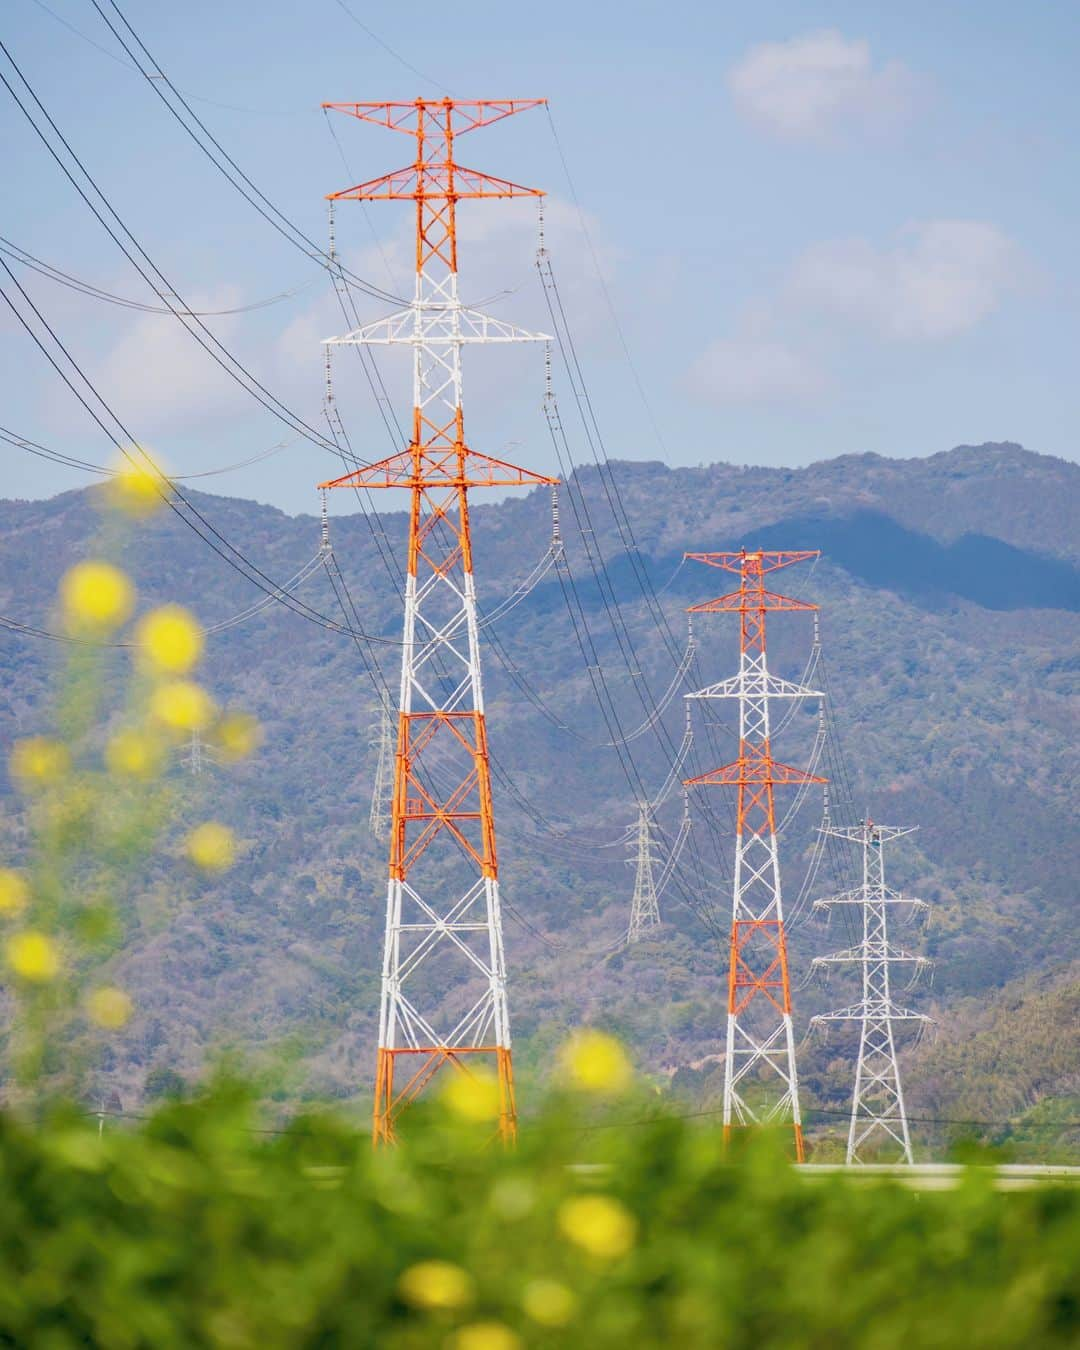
433 180
425 468
769 560
465 114
747 600
752 770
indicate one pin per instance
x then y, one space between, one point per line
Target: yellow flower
211 846
485 1336
14 892
134 754
96 596
109 1007
548 1302
137 489
595 1062
473 1095
599 1225
436 1284
33 957
170 640
37 762
182 705
237 735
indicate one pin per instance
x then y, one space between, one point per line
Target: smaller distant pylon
195 757
645 906
878 1114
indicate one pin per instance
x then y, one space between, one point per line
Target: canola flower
134 754
485 1336
436 1285
14 892
473 1096
170 641
598 1225
212 846
549 1303
38 762
137 490
96 598
182 705
109 1007
595 1062
33 957
237 735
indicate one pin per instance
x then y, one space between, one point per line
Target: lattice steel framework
878 1116
382 788
645 905
443 943
760 1079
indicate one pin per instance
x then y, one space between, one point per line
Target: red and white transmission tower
760 1044
443 944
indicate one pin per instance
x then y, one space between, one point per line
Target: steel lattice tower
645 905
443 926
760 1044
877 1104
382 788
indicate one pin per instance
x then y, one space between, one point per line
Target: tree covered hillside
949 593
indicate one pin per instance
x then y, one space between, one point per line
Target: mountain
949 590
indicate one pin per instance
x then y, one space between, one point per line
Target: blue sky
824 228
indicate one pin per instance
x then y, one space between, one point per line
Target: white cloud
161 379
942 278
754 369
814 86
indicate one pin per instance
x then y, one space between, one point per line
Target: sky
782 231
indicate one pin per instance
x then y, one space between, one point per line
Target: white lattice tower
443 998
645 905
878 1115
760 1078
382 787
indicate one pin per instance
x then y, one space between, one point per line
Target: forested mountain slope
949 594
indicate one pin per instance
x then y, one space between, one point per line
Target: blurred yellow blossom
14 892
134 754
594 1062
170 640
549 1303
237 735
599 1225
33 957
96 597
485 1336
211 846
182 705
38 762
109 1007
137 489
473 1095
436 1284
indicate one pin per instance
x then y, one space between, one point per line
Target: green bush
196 1229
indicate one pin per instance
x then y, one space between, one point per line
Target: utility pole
645 906
760 1080
443 995
878 1115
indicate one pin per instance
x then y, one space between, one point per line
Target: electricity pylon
877 1105
443 943
195 757
760 1043
381 791
645 906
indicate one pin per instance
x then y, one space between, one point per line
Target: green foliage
196 1229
